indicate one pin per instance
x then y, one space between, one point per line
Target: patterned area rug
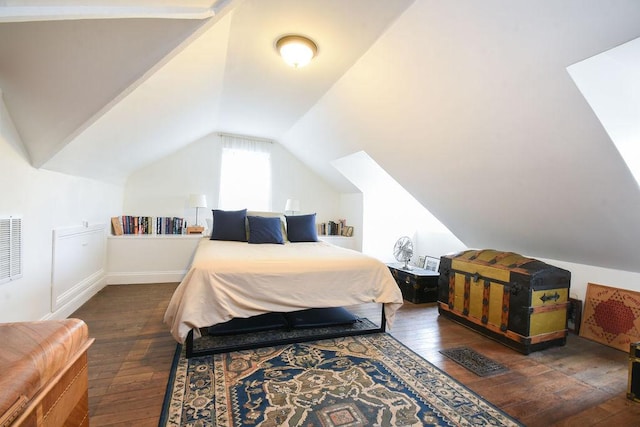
611 316
474 361
368 380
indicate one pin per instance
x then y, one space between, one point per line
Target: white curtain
245 173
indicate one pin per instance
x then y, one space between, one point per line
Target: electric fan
403 251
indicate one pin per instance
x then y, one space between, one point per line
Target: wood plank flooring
580 384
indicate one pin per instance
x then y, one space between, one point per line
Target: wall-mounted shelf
342 241
156 236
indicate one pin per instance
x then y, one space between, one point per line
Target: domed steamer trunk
518 301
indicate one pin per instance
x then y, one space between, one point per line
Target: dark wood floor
580 384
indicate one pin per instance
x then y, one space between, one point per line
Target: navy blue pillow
229 225
302 228
265 230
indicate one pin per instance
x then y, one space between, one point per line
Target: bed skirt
267 330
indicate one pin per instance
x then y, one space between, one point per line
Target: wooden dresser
43 373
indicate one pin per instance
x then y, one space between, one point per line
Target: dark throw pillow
265 230
229 225
302 228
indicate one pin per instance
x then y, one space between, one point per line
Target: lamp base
195 229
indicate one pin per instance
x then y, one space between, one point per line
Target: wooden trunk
521 302
417 285
43 373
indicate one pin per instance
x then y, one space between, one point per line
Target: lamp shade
292 205
296 50
197 201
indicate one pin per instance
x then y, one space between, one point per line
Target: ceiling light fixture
296 50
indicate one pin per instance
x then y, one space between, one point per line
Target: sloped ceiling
467 104
216 74
56 75
470 107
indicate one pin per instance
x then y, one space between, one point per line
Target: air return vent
10 248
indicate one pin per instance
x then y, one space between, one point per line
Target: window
245 174
609 83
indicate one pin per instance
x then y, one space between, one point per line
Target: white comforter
237 279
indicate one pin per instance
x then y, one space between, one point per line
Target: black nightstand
417 285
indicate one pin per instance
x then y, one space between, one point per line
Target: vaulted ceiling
144 81
467 104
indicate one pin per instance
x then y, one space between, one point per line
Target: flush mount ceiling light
296 50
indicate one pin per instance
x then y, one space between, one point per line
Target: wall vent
10 248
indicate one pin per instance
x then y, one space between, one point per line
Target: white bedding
237 279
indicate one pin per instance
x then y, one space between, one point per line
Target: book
145 225
116 226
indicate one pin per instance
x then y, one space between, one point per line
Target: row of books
128 224
335 228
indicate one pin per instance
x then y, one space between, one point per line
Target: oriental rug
474 361
370 380
611 316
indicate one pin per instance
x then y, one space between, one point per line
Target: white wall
389 212
582 274
351 209
163 188
45 200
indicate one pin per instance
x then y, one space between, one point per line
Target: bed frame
313 334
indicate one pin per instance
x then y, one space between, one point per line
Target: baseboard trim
132 278
71 305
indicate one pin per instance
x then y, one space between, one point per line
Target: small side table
417 285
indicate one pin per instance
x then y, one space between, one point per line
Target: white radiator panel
79 262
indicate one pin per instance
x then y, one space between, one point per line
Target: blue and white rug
370 380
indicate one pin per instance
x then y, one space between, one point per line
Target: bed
236 279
